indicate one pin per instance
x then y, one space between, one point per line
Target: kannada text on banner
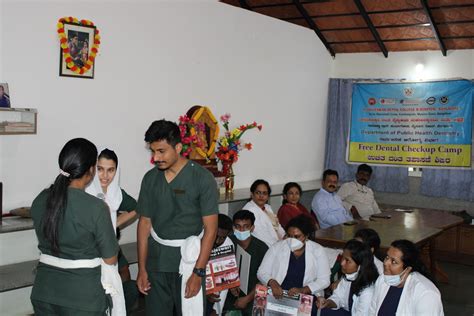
416 124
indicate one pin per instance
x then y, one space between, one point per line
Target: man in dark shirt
243 226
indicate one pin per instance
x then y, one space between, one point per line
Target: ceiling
359 26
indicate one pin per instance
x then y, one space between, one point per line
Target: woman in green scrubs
72 225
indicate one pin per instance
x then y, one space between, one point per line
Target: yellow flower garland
65 48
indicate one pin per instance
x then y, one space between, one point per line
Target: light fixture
419 68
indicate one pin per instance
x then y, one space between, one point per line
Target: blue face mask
393 280
242 235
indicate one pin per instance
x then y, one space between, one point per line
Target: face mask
352 276
242 235
393 280
294 244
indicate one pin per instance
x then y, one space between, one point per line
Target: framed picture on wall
4 96
75 56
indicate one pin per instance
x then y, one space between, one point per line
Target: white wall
459 63
157 59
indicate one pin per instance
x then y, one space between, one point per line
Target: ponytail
55 207
75 159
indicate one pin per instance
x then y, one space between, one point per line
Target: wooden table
420 217
419 225
337 236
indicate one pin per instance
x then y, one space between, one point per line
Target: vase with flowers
229 147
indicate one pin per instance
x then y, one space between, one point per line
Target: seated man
327 205
215 301
356 197
243 226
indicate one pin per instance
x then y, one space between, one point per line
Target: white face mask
393 280
352 276
294 244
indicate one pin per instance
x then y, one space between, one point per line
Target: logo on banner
384 101
408 91
444 100
431 100
372 101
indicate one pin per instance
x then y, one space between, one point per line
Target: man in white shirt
357 197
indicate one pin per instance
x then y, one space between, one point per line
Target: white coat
378 265
360 303
276 260
420 297
267 228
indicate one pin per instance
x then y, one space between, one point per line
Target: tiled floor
458 295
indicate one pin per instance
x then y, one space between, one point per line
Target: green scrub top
128 203
85 232
176 210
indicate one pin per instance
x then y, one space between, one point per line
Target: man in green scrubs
178 199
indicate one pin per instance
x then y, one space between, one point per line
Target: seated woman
267 228
291 205
295 264
405 287
354 292
122 210
371 238
367 236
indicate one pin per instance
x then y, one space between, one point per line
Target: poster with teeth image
221 270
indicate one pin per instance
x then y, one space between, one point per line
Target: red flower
248 146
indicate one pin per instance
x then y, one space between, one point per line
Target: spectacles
261 192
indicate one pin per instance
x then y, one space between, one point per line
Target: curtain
450 183
384 179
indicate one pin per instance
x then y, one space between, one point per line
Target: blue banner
421 124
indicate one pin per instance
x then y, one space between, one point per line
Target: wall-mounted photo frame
80 39
5 101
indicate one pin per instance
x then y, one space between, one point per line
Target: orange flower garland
63 40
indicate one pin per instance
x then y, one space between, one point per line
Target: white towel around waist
190 249
110 278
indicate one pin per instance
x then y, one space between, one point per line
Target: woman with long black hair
406 287
354 292
76 239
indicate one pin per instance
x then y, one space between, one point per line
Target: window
414 171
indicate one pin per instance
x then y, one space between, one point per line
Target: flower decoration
65 48
189 129
229 145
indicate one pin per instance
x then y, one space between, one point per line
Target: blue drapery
454 184
384 179
450 183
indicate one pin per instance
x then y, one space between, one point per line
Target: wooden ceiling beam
374 32
434 27
313 26
245 5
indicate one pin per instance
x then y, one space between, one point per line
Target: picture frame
5 100
79 42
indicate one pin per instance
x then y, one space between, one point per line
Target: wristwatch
200 272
